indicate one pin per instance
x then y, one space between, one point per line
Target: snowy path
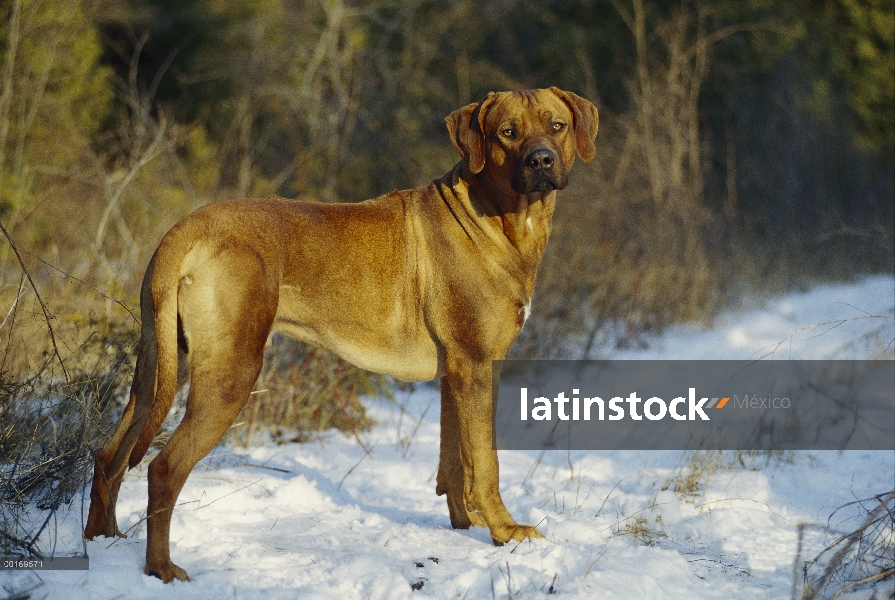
308 521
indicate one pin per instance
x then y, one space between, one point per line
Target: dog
434 282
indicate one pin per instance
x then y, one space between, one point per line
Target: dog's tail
155 380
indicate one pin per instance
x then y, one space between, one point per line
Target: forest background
745 148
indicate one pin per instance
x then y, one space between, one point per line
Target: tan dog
417 284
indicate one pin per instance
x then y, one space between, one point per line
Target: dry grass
860 560
696 467
303 390
53 420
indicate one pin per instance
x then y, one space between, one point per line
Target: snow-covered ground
325 520
848 321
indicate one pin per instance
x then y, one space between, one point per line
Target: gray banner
53 563
688 405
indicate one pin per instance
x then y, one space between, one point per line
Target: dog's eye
557 127
508 132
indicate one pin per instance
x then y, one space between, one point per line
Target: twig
544 518
355 466
14 302
599 510
7 90
880 575
298 375
345 408
595 561
95 288
848 542
47 316
547 444
230 494
834 324
415 430
150 153
268 468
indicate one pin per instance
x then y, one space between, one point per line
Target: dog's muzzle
540 171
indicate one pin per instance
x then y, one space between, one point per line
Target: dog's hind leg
227 314
203 426
111 462
104 491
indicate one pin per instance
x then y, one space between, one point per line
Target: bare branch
47 316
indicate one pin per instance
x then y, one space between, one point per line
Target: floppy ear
465 126
586 121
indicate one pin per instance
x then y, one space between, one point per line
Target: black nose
540 159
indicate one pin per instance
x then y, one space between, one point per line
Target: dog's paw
514 531
167 572
91 533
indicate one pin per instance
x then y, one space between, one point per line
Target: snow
325 520
830 321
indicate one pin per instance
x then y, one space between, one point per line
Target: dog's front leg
466 411
451 480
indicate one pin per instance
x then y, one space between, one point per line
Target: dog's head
526 140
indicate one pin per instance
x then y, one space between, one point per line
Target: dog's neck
523 220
